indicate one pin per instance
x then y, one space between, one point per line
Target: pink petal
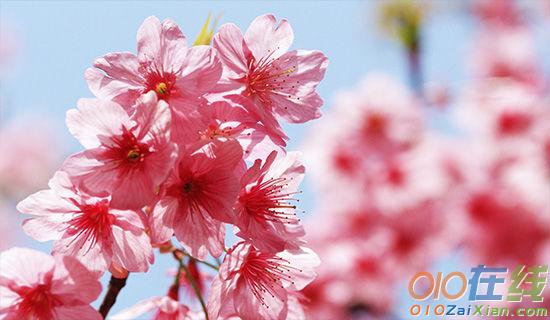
297 101
95 257
89 174
25 267
70 276
153 117
94 119
161 43
140 308
45 228
201 70
265 38
297 111
77 312
45 203
200 233
134 190
132 250
162 220
120 80
220 300
249 306
229 42
304 261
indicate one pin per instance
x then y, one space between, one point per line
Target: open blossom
34 285
228 119
265 212
127 157
252 283
258 66
197 198
164 64
87 228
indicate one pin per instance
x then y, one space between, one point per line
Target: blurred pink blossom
34 285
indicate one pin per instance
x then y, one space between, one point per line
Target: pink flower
164 64
223 120
258 65
377 121
264 212
34 285
166 309
497 13
514 56
253 284
87 227
31 151
503 111
198 197
127 157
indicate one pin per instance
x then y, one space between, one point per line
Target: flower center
159 80
214 131
265 272
267 75
161 88
126 149
93 224
38 302
187 187
375 125
510 123
133 155
268 201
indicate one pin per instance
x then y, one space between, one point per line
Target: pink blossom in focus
127 157
265 210
87 227
164 64
34 285
228 119
197 198
258 65
252 282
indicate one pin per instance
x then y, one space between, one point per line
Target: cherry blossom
227 119
164 64
127 157
255 282
34 285
197 198
87 227
258 66
265 210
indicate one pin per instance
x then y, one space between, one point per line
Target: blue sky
59 40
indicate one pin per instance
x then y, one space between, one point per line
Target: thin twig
203 262
115 285
178 254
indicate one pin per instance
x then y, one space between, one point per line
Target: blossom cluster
179 142
400 194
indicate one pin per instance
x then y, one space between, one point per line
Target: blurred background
433 152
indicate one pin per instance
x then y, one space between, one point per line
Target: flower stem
115 285
178 254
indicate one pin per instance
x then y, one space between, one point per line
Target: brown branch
115 285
